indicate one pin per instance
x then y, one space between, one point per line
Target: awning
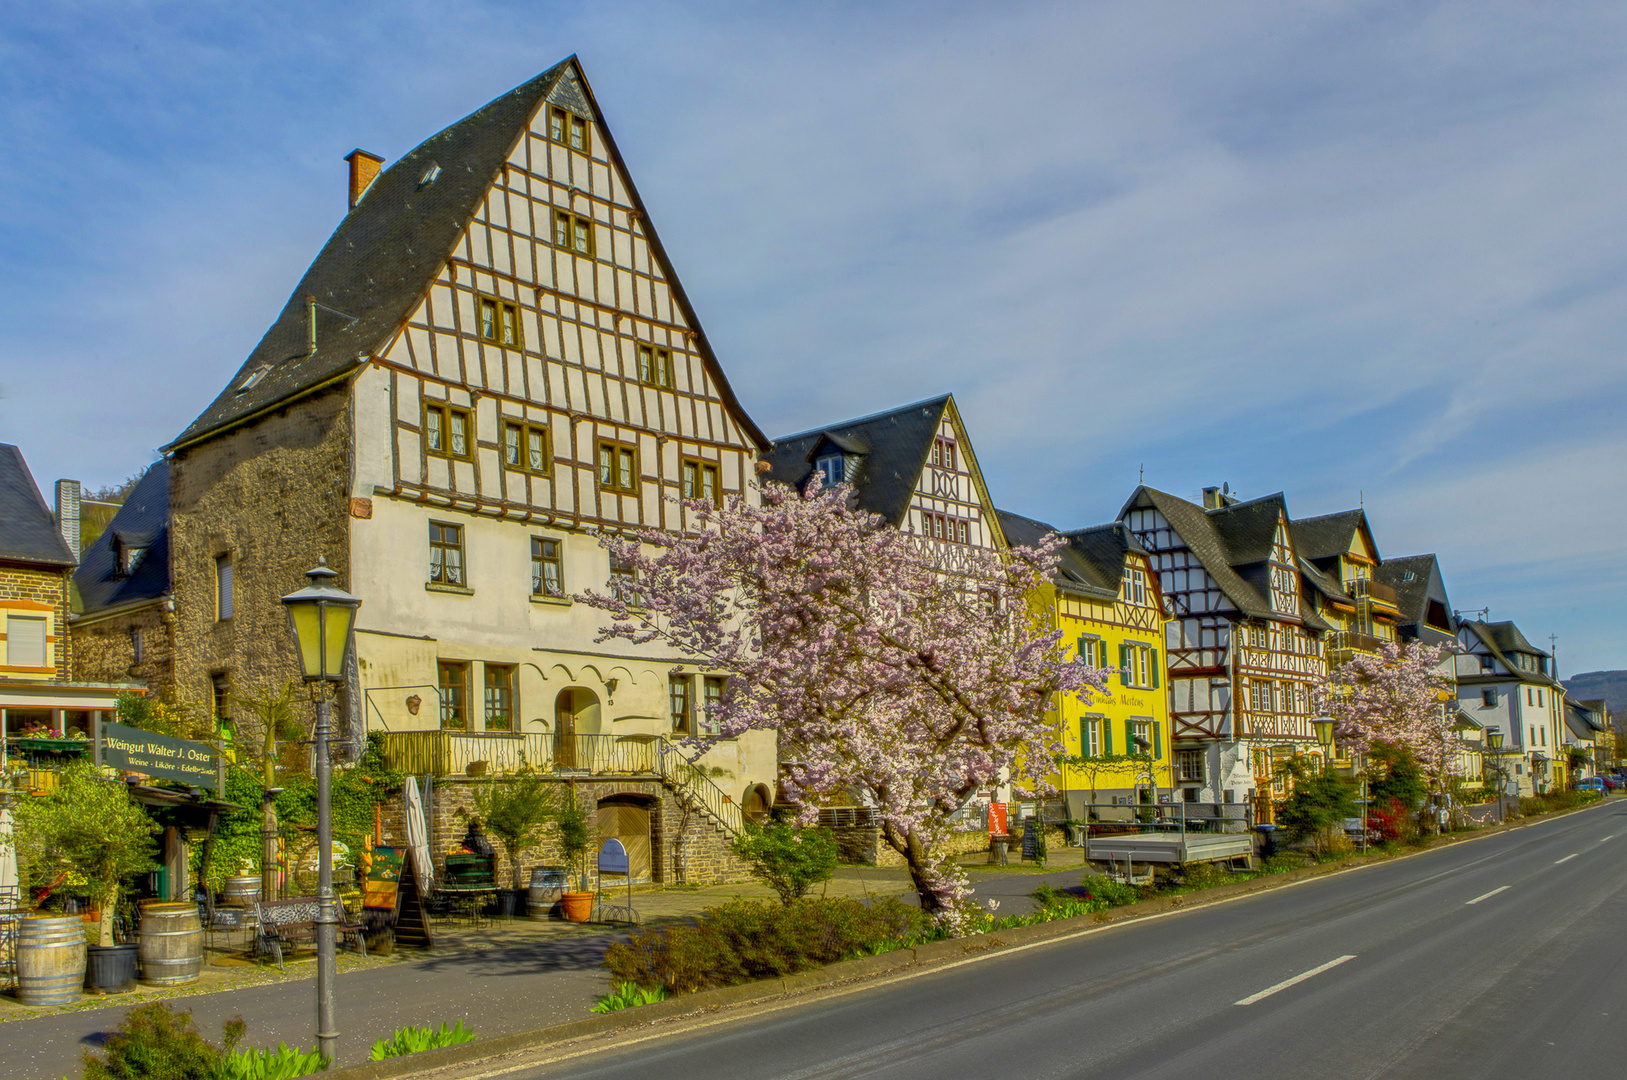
21 694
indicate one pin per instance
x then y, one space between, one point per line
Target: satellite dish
1226 489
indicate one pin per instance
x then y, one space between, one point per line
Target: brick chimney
67 513
364 169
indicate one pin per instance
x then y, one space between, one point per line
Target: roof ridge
825 429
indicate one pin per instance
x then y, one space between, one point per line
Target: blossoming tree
1397 696
885 676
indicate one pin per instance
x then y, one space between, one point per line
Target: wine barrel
547 885
171 943
50 959
241 891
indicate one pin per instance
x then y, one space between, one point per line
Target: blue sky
1350 251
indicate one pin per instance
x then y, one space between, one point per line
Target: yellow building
1105 599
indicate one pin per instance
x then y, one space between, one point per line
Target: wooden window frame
705 724
572 223
453 706
681 704
539 563
623 583
522 431
443 546
499 307
508 686
220 695
612 482
563 124
697 489
445 411
943 454
655 366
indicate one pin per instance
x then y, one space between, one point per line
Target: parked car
1593 783
1611 783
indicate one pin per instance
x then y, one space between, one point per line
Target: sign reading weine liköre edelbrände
162 756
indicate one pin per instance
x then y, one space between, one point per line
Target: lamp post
321 617
1324 736
1494 743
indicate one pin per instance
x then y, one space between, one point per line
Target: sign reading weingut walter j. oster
162 756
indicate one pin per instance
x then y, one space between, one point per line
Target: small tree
88 825
1577 759
575 837
516 810
274 719
788 860
1318 807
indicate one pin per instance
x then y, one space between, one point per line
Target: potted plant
89 827
575 838
515 810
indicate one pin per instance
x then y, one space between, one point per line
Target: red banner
997 819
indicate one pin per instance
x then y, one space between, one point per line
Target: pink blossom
1398 696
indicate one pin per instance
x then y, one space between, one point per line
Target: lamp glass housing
1324 733
320 619
1494 739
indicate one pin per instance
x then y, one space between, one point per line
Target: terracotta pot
578 906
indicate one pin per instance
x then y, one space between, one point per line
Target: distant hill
1610 685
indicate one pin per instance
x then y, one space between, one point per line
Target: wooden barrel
50 959
241 891
171 943
547 885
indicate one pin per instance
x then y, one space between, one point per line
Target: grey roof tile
894 445
143 521
28 530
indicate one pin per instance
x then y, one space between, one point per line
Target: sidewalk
502 977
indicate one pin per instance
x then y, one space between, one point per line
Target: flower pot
508 900
110 967
578 906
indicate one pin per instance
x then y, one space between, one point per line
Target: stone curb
847 970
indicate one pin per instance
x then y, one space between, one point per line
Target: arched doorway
576 712
627 818
758 803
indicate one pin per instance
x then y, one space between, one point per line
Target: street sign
161 756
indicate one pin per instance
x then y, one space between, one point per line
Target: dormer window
834 466
130 557
253 379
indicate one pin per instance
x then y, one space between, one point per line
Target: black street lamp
321 618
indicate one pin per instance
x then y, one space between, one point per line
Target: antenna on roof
1484 613
1361 498
1553 651
1141 477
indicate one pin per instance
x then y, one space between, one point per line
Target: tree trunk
916 860
104 931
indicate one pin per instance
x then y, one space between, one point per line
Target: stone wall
104 652
685 847
274 495
42 586
863 844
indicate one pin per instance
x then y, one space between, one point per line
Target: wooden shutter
1130 746
1107 738
1124 667
1157 739
1152 666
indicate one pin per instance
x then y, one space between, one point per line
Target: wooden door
629 823
565 730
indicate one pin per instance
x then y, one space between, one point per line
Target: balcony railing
1376 591
1343 645
458 753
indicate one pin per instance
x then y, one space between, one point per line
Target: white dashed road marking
1286 983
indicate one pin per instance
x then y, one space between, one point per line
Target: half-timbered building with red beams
1243 646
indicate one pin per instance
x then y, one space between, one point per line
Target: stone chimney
364 169
1211 498
67 513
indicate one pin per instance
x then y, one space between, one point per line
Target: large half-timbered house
1243 646
490 364
1339 561
1424 608
1105 600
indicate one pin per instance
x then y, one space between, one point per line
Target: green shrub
157 1042
1205 876
1318 806
411 1040
788 860
745 940
626 995
1115 893
1557 800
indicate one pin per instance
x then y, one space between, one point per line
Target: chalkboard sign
613 857
1030 838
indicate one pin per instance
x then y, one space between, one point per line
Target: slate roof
28 530
143 521
1233 543
1329 535
379 262
1092 561
893 445
1502 638
1412 596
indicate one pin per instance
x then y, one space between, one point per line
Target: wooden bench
293 922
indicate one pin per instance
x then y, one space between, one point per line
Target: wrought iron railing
1376 591
1343 645
458 753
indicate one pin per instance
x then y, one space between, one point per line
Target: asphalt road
1500 958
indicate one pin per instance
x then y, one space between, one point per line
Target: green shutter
1157 739
1085 651
1107 737
1130 738
1124 667
1152 666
